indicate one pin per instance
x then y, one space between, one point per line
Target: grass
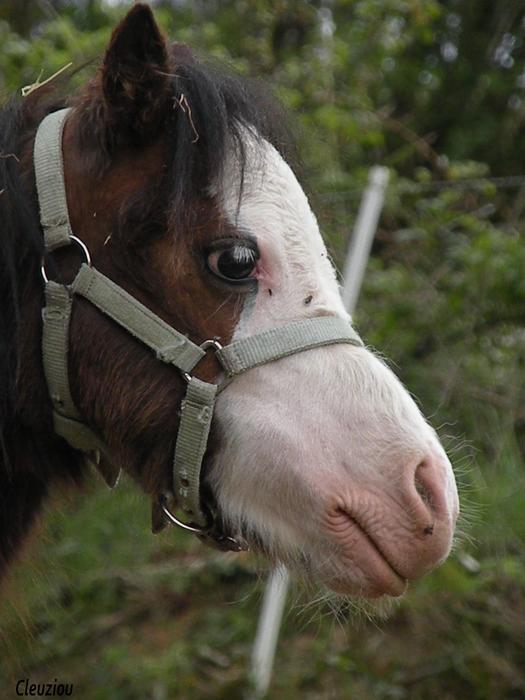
102 603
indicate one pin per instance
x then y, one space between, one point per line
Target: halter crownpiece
169 346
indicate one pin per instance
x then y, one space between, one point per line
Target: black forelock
211 107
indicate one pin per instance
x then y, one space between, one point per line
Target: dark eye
233 261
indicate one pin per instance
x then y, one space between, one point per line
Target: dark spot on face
308 300
270 292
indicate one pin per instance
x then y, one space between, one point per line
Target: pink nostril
421 486
427 495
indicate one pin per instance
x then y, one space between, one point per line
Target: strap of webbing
55 351
55 345
285 340
77 434
169 345
192 440
49 172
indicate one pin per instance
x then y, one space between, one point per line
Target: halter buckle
210 343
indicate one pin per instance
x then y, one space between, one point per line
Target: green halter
169 346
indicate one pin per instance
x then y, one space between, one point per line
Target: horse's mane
20 242
211 106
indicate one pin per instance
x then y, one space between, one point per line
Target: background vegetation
436 91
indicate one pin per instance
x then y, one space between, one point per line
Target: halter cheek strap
169 346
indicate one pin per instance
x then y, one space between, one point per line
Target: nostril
427 489
422 487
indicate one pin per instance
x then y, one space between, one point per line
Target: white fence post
267 635
364 231
271 614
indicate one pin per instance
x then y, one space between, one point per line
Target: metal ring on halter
175 521
207 534
82 246
210 343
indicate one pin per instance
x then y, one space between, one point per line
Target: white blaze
294 259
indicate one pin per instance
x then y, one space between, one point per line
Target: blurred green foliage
436 91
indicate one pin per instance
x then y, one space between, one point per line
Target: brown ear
135 80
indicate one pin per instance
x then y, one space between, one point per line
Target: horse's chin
337 580
347 587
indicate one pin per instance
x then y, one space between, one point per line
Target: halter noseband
169 346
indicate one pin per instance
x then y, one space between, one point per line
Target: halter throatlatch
168 345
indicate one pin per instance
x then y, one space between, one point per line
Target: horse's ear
135 80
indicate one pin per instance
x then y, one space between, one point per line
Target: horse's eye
233 261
